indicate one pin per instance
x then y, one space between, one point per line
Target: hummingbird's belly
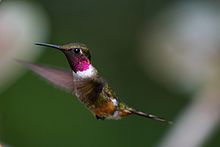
104 109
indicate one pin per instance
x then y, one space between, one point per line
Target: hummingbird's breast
96 94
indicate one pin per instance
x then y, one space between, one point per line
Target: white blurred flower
185 53
184 45
21 24
4 145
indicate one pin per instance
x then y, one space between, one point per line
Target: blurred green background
34 113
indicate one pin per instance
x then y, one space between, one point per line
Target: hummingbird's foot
98 117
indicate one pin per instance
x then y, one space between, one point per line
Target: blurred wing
88 90
58 77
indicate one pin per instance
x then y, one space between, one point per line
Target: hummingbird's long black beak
49 45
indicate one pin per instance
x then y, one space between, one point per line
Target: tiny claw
99 118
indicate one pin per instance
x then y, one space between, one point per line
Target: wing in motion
87 90
60 78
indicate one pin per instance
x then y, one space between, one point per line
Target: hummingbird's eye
76 50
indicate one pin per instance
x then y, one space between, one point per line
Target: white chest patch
91 71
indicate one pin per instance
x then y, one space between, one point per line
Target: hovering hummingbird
85 83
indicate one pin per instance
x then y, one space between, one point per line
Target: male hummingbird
85 83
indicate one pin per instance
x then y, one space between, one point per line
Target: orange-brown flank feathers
105 108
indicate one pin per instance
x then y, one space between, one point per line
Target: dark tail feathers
150 116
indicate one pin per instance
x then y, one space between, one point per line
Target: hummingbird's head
77 54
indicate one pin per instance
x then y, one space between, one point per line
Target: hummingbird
84 81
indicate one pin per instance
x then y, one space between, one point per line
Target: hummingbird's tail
150 116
